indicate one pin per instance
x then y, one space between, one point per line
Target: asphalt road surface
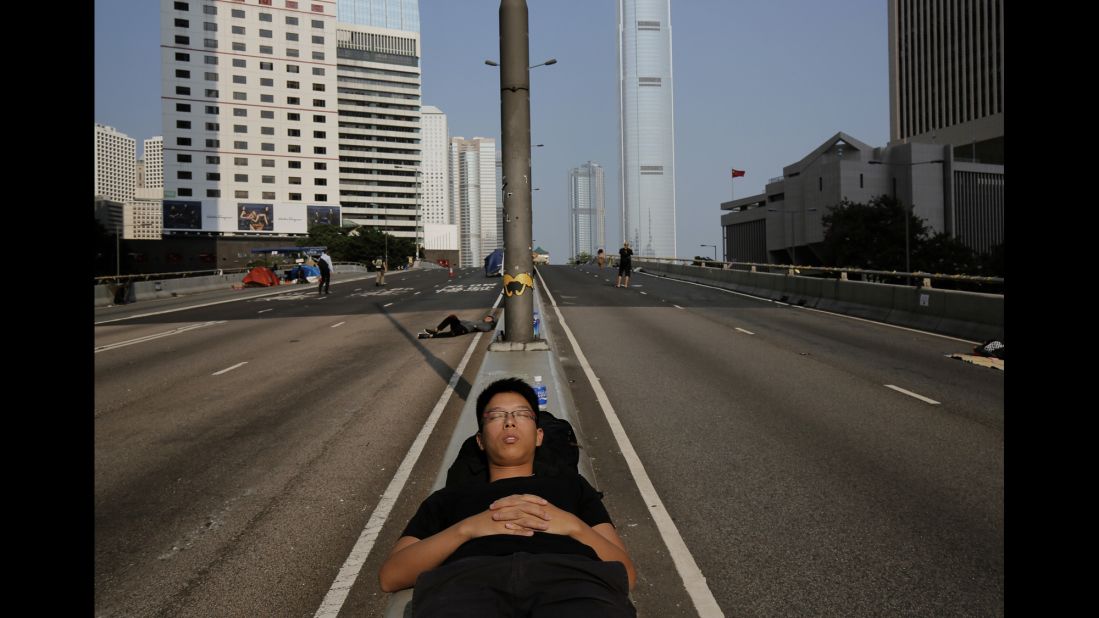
241 447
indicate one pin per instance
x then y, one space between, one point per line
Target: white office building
435 193
646 126
152 154
473 197
250 116
115 157
586 210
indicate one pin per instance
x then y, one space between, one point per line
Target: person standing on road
625 265
600 258
379 271
325 264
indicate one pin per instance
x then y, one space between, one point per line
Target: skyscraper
586 210
473 196
115 154
646 126
152 152
946 76
378 97
435 140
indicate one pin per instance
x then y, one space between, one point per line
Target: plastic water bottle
537 326
540 390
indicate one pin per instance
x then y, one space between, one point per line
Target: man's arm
412 556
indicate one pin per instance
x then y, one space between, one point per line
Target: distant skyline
758 85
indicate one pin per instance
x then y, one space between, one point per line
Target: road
802 481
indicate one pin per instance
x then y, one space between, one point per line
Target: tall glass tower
393 14
586 220
646 126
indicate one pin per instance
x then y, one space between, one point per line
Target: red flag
737 172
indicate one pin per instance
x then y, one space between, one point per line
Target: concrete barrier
969 315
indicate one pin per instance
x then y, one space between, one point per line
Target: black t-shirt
624 257
568 492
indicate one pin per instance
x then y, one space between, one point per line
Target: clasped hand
522 514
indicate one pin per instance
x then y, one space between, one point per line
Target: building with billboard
249 116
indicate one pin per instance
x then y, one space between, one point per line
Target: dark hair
506 385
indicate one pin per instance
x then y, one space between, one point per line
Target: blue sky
758 85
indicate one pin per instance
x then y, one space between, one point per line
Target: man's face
509 441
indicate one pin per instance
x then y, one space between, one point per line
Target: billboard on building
256 217
236 217
323 215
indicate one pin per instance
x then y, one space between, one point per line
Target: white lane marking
838 315
911 394
264 310
349 572
693 580
227 370
386 305
677 306
746 332
416 293
644 292
356 289
338 324
175 331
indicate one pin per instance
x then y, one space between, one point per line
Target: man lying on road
518 545
458 327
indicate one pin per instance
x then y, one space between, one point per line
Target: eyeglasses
498 416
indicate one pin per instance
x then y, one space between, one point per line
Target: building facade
435 187
784 225
115 159
473 197
152 154
646 126
391 14
378 84
586 210
946 76
249 115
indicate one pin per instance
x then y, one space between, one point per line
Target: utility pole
515 126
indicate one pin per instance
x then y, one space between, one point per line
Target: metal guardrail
915 279
114 279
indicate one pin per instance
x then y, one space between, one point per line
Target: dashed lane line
228 369
911 394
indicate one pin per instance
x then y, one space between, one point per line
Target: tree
991 264
870 235
582 258
942 254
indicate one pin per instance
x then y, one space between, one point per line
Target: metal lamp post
515 128
907 211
